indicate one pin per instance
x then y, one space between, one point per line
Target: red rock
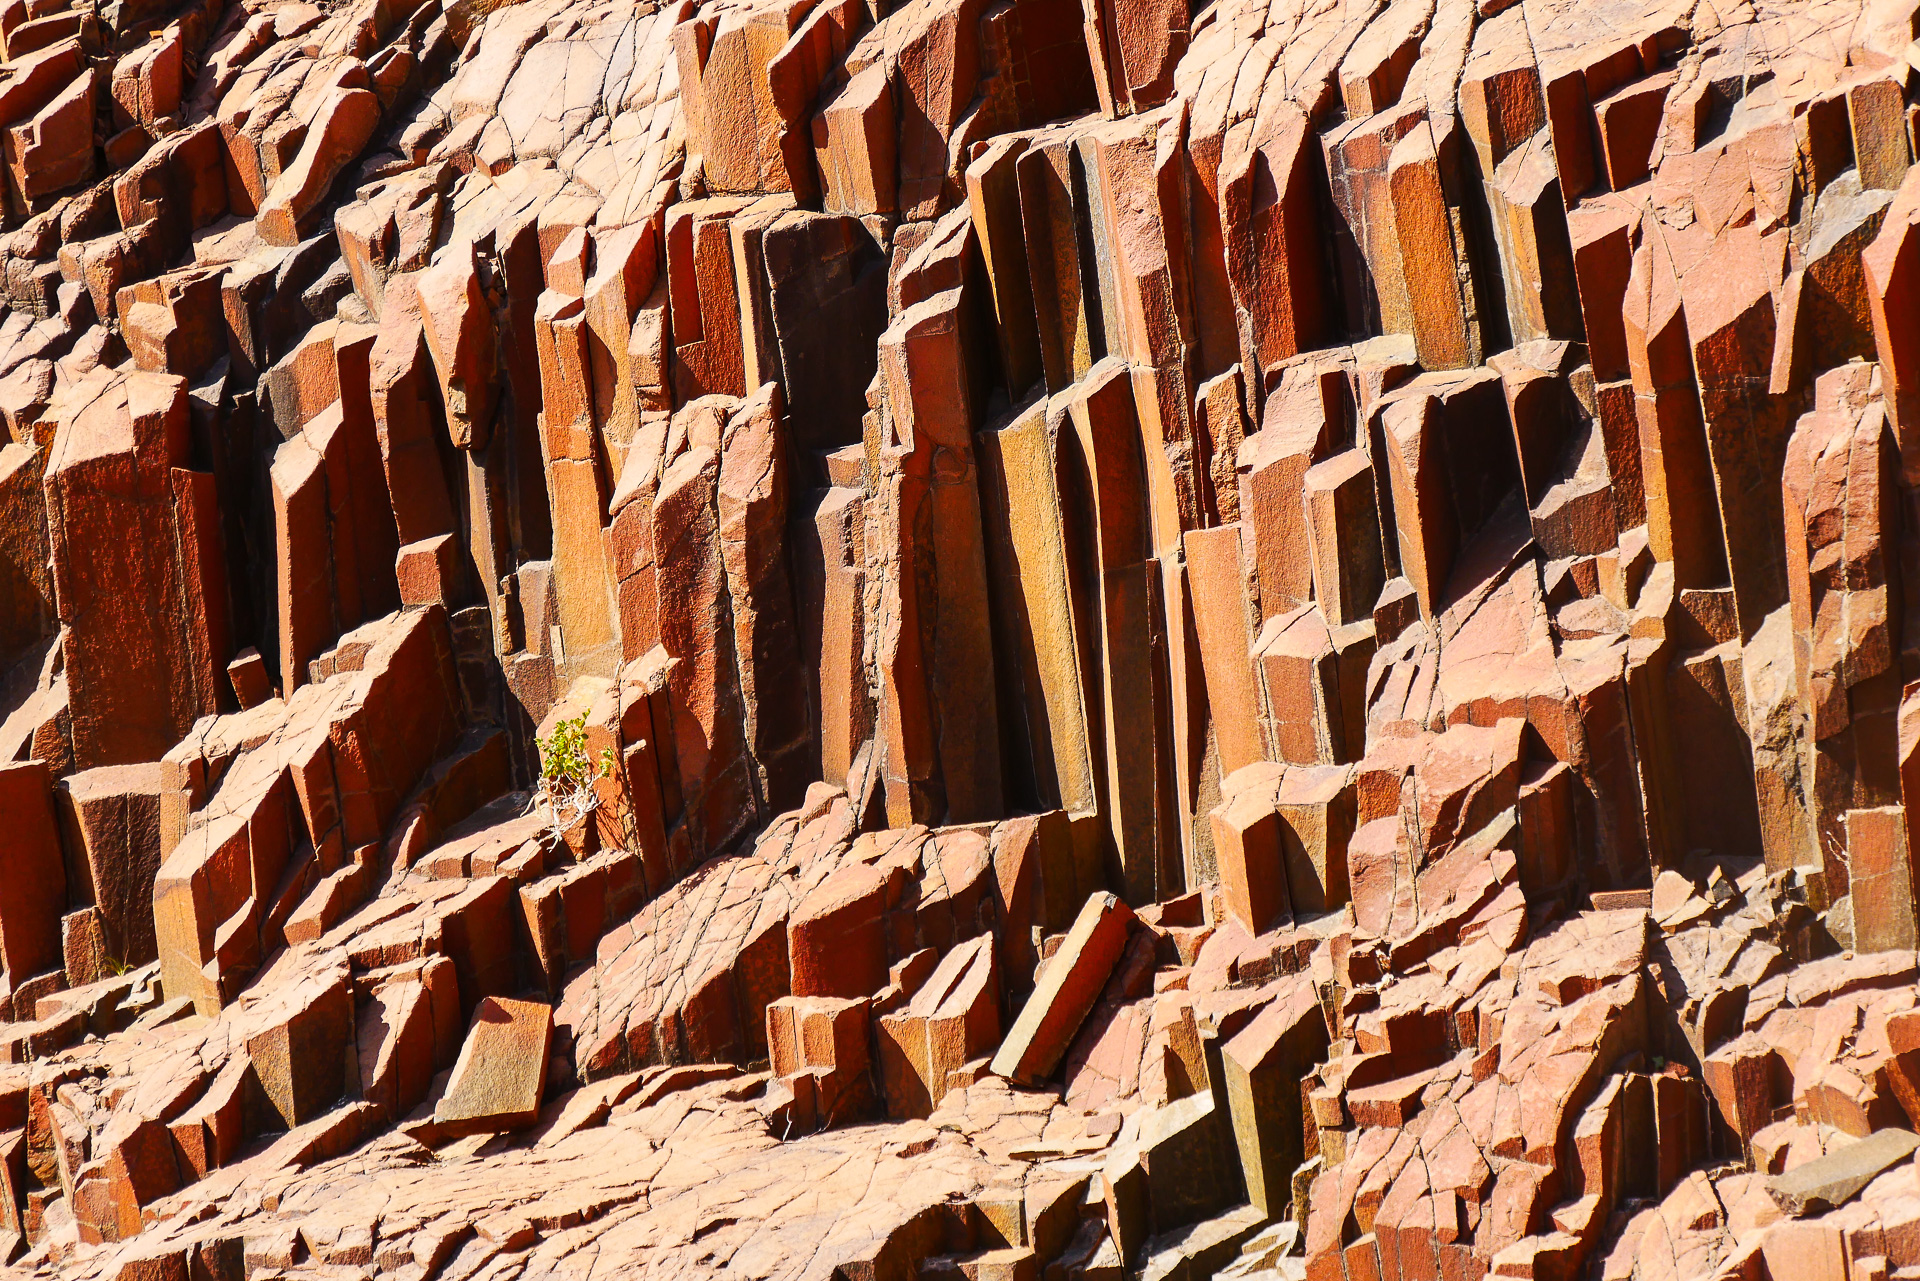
1030 546
1269 223
343 122
752 502
398 370
821 1062
1216 575
1890 267
147 82
145 675
501 1075
459 329
52 150
247 673
951 1019
836 938
427 572
708 730
936 710
1881 874
854 139
395 1037
705 308
875 424
1064 992
299 1050
35 887
1248 845
1263 1064
1177 1169
112 822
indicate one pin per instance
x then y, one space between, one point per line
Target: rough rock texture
1261 637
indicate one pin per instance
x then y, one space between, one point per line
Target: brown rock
501 1075
952 1019
299 1050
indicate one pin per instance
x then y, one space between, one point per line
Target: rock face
925 639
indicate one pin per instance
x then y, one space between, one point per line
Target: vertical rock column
139 572
938 714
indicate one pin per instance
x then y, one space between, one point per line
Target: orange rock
501 1075
1065 992
951 1019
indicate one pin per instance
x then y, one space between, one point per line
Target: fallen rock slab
1066 990
1829 1182
501 1074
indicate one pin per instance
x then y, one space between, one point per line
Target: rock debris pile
917 640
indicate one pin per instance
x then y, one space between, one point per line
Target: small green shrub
568 775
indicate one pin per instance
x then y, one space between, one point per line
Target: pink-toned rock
1065 991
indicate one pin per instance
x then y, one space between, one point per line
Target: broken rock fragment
1066 990
501 1074
1830 1181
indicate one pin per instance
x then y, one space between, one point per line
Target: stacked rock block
1249 639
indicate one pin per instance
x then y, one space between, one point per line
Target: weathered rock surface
928 639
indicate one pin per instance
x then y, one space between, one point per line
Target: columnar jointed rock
1269 625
